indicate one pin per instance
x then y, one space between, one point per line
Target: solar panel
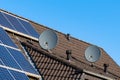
16 24
11 57
5 39
7 58
18 75
6 74
15 59
30 28
25 65
4 21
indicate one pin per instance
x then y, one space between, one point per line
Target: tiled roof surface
78 49
52 68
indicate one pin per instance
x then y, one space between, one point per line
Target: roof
54 65
78 48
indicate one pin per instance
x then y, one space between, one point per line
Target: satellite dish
92 53
48 39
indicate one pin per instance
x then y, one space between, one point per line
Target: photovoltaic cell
25 65
5 39
7 58
5 75
15 23
1 62
29 28
4 21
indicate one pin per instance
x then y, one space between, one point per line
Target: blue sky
93 21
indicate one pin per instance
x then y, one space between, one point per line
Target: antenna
92 53
48 39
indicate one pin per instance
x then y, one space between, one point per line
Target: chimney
68 36
69 52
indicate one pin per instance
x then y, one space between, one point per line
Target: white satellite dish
48 39
92 53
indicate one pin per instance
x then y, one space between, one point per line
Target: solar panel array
17 24
11 57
